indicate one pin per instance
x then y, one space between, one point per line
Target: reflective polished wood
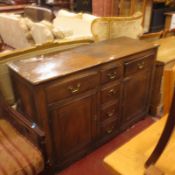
85 96
40 69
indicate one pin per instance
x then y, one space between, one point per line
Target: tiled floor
92 164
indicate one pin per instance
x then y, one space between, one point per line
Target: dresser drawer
111 72
110 112
137 65
110 93
71 86
108 127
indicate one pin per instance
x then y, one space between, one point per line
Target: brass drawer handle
109 131
112 92
95 118
141 65
110 114
76 89
112 75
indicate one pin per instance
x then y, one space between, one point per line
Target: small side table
169 23
59 5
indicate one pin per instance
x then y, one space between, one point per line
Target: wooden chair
166 134
1 43
22 144
152 36
36 13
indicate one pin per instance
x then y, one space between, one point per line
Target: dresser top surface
50 66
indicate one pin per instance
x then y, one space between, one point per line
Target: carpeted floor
92 164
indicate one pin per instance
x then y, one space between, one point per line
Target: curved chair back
113 27
37 14
165 136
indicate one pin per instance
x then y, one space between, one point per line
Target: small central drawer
110 93
71 86
110 112
108 128
138 64
111 72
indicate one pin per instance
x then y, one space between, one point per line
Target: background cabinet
124 8
83 5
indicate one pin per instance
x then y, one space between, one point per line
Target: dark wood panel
111 111
109 127
111 72
111 92
71 86
72 127
135 94
86 100
79 58
137 65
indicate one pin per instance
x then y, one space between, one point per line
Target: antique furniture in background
129 7
153 12
85 96
82 5
124 8
105 28
159 9
71 22
56 5
32 31
119 7
22 143
166 56
169 23
37 14
105 8
19 9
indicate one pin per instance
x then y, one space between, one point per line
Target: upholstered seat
17 36
18 156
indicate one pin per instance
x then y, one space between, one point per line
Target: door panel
136 91
72 126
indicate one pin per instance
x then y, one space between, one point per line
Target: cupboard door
136 95
73 127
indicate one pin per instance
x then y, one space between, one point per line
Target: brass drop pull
112 75
95 118
110 114
109 131
141 65
76 89
112 92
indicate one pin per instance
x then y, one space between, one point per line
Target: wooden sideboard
85 96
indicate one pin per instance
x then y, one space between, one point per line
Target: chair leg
47 172
152 170
170 124
1 43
